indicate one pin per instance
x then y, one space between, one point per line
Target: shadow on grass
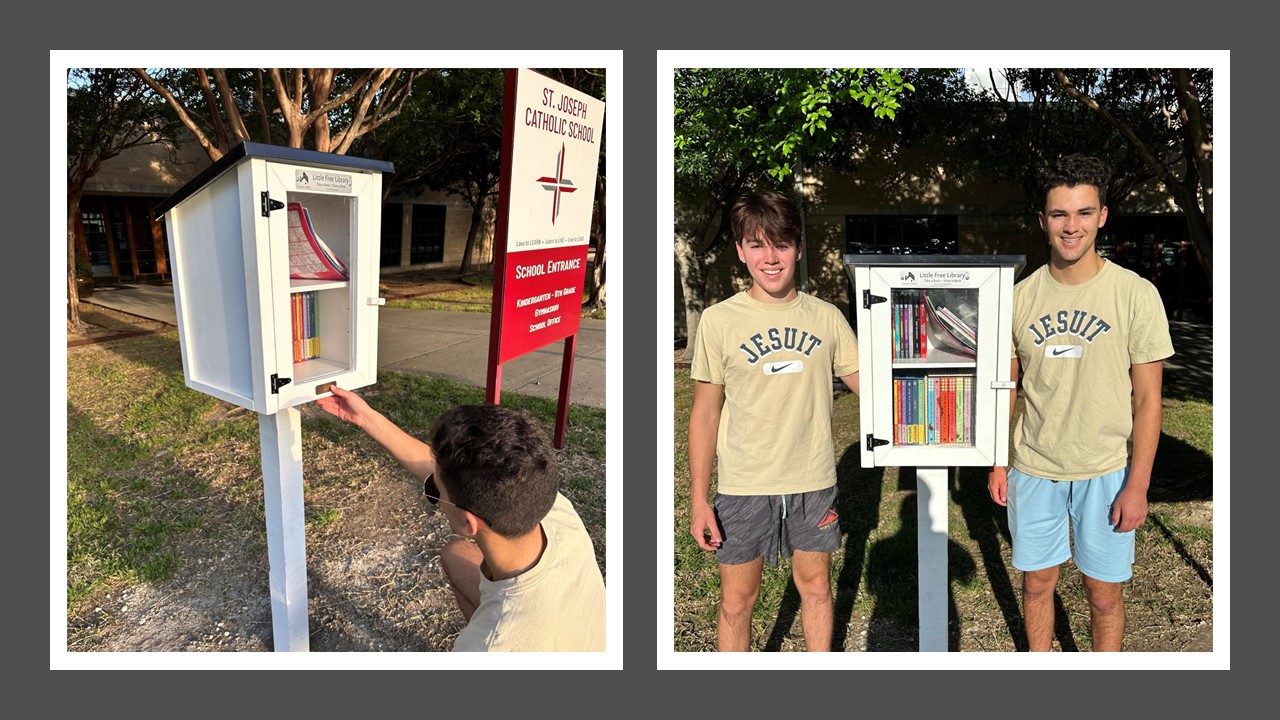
858 504
893 578
988 526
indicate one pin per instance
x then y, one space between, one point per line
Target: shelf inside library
316 368
297 286
937 357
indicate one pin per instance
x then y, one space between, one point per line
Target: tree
739 127
449 138
1178 100
1149 124
109 110
327 109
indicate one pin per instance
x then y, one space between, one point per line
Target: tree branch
211 106
212 151
229 105
1166 175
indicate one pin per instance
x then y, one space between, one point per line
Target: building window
123 239
426 239
94 221
901 234
392 235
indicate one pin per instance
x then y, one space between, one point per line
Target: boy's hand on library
703 526
998 485
344 404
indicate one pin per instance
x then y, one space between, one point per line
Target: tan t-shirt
776 362
1075 344
557 605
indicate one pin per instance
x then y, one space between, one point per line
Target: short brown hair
768 213
498 463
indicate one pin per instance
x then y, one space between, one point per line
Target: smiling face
1071 219
772 266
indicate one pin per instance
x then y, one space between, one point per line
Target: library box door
934 346
325 328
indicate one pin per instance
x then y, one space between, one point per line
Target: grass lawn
477 298
153 466
1169 600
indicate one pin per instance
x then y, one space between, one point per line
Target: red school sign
550 157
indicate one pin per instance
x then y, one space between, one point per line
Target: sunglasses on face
432 493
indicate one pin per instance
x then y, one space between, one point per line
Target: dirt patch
372 565
99 324
373 584
374 581
409 284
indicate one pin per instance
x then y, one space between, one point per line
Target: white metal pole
281 439
932 536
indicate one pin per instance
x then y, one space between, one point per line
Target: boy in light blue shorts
1090 338
1039 510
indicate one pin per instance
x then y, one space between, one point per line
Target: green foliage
448 135
1017 135
109 110
769 120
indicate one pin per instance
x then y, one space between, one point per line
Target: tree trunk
477 220
692 284
597 298
74 324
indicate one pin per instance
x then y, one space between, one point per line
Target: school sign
550 156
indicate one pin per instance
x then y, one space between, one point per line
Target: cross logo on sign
557 185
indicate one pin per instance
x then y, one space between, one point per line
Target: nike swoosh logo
780 368
1064 351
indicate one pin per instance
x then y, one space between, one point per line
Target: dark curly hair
1076 169
498 463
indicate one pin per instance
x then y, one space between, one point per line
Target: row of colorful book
919 323
304 312
909 322
933 409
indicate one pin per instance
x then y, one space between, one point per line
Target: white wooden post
932 535
281 439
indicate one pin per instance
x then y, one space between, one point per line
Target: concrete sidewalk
435 343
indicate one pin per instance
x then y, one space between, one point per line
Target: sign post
550 156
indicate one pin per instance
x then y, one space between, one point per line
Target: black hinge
872 442
268 204
278 382
868 299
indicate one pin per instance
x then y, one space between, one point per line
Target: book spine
897 411
933 397
897 325
295 316
968 412
948 409
313 309
921 324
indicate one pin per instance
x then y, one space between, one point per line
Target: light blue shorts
1045 516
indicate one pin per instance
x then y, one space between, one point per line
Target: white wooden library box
252 332
934 340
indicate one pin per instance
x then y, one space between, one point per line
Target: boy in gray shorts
762 406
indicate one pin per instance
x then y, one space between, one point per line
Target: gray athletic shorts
775 526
